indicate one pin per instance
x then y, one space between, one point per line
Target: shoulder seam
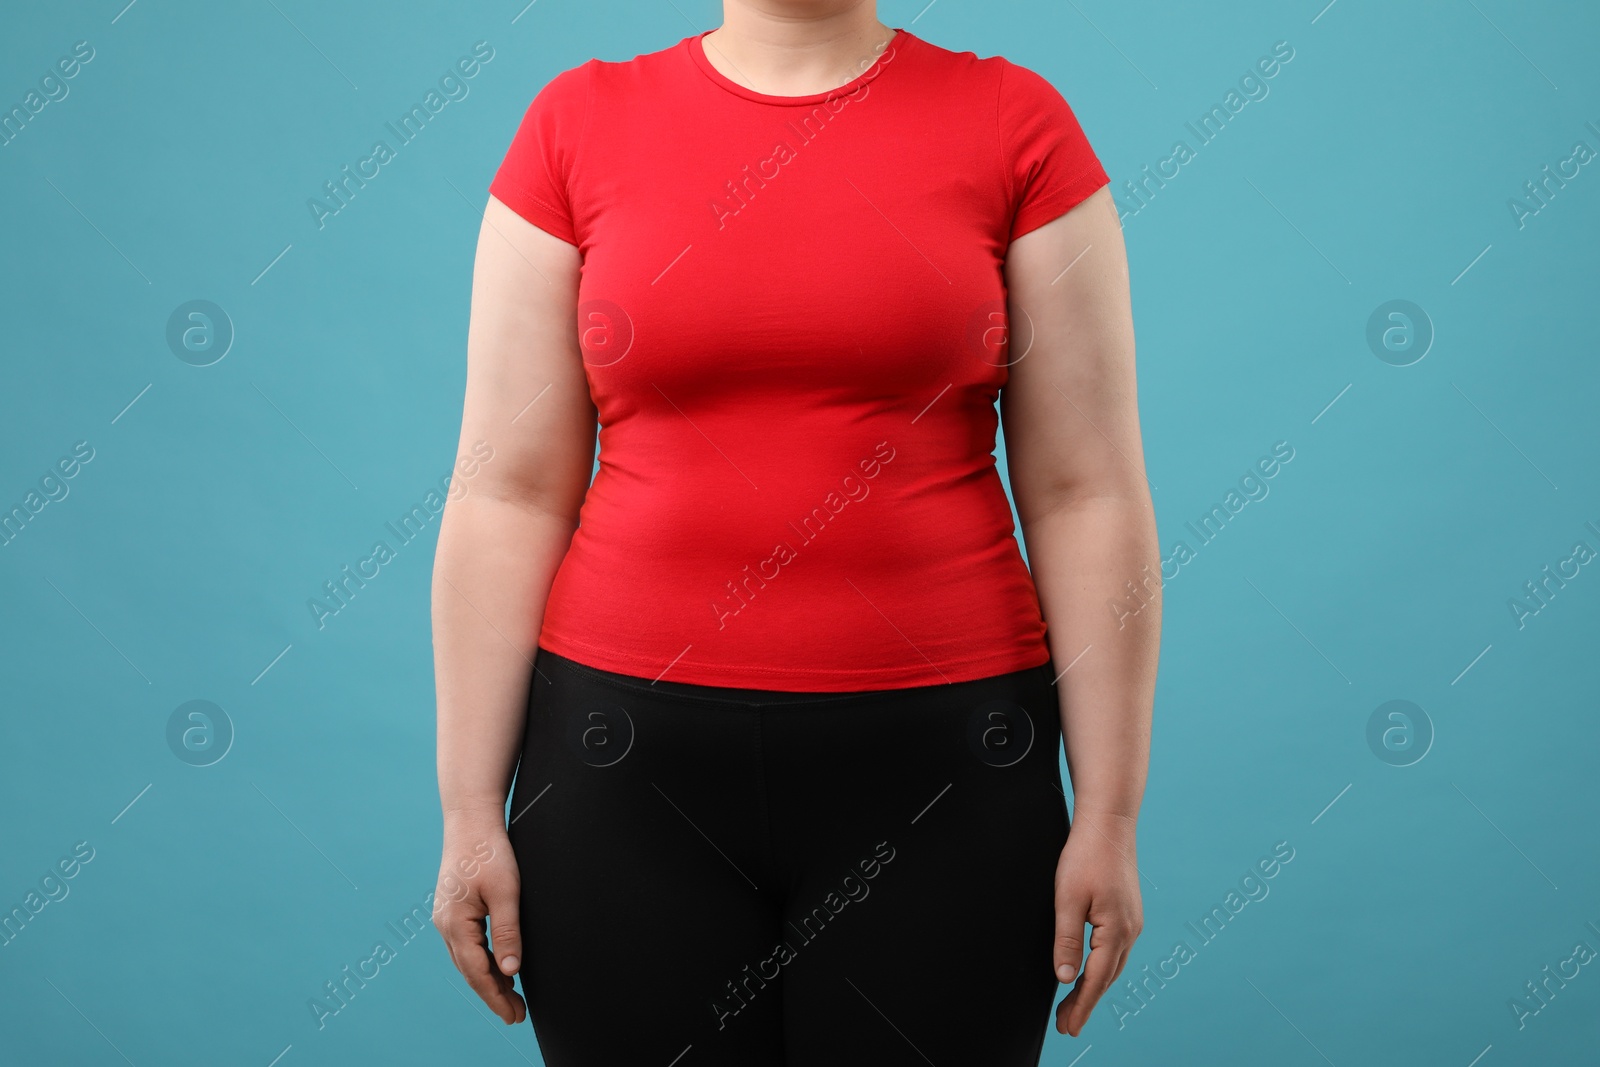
583 129
1000 141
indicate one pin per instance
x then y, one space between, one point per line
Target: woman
782 710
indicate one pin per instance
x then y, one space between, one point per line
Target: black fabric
714 876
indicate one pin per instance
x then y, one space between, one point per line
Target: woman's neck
783 56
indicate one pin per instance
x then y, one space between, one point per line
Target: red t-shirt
792 319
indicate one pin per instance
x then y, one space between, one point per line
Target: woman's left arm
1070 411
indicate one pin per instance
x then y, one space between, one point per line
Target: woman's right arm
504 532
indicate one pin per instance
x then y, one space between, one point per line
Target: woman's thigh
918 838
646 883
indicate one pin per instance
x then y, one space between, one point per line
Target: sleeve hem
1063 200
551 220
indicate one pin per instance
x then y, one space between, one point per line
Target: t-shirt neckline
697 53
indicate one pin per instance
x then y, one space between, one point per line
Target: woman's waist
881 529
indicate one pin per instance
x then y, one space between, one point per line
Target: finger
1072 912
1122 960
1106 960
457 924
493 988
1105 957
469 951
504 928
1073 1011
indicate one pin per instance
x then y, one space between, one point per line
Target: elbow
560 501
1110 496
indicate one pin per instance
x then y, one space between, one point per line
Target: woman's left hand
1097 882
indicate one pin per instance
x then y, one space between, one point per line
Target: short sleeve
1047 158
534 178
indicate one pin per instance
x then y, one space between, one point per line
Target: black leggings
716 876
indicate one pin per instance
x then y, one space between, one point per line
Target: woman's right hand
478 879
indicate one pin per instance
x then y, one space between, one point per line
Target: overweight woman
782 703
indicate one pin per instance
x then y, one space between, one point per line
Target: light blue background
1420 898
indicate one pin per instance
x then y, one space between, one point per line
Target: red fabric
792 321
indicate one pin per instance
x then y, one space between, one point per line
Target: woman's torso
792 322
